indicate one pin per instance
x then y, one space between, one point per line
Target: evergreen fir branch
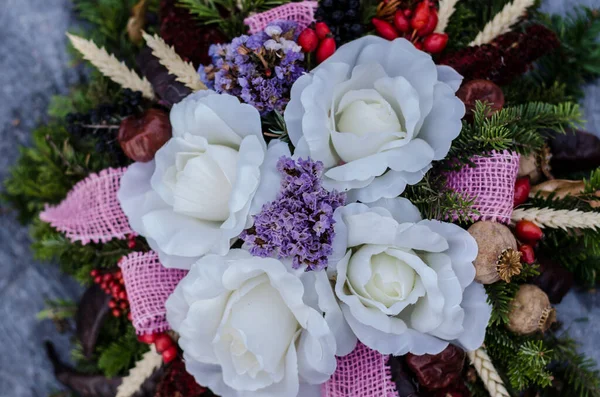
579 375
577 61
435 201
515 128
525 89
208 12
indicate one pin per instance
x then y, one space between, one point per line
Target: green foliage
121 354
524 89
75 259
578 375
501 294
529 366
435 201
58 310
515 128
209 12
577 61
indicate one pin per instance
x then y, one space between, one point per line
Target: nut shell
481 90
140 136
530 311
492 239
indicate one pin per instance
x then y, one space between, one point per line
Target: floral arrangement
339 198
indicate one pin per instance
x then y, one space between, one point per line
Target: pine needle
183 71
502 22
447 8
110 66
137 375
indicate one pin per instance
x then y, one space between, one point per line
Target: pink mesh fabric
491 183
91 211
148 285
362 373
302 13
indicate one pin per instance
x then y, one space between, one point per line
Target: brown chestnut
437 371
140 136
481 90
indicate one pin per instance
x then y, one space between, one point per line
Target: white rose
245 330
401 284
203 186
376 113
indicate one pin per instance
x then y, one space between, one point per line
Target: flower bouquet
343 198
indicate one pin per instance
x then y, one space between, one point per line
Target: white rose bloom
376 113
205 183
402 284
245 330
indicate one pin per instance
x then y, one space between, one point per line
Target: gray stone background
33 67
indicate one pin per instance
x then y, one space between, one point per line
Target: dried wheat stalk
447 8
558 219
183 71
488 374
137 375
110 66
502 22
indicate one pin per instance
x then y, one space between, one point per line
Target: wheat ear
110 66
183 71
447 8
558 219
488 374
137 375
502 22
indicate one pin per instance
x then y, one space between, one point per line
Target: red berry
421 17
147 338
170 354
162 342
98 279
401 22
123 305
435 42
326 49
123 295
112 304
527 254
308 40
107 277
116 313
121 281
104 286
407 13
419 46
119 274
528 231
131 244
385 29
430 26
94 273
522 189
129 316
322 30
114 291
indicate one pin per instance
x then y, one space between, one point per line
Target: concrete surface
33 67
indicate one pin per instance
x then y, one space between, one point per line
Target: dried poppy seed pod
530 311
498 257
140 136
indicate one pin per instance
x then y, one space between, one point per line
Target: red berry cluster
131 241
163 344
112 283
527 232
416 25
318 39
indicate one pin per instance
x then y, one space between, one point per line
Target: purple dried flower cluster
259 69
299 223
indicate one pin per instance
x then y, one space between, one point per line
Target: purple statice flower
259 69
298 224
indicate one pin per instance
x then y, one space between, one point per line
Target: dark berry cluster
102 123
342 17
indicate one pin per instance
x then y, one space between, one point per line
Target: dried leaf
137 22
575 151
92 312
165 85
560 187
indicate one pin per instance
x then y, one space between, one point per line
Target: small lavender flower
259 69
299 222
